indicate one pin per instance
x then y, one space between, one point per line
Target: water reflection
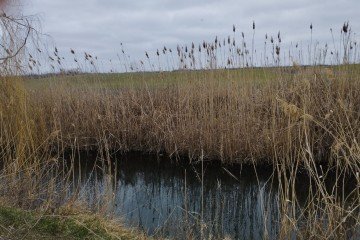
172 200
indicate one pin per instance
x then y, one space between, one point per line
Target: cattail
234 28
157 52
266 36
253 25
51 58
147 55
242 34
56 50
229 40
39 50
345 27
72 51
277 50
279 35
311 27
199 48
216 40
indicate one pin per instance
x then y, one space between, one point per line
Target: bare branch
22 45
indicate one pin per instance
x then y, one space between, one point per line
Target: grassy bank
64 224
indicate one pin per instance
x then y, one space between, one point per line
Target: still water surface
182 200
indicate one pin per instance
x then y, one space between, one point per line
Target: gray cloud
98 26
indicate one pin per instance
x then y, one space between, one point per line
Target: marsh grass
293 118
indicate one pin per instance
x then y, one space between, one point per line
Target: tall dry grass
236 116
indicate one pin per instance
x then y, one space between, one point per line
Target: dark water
178 201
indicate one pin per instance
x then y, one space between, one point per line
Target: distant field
118 80
137 79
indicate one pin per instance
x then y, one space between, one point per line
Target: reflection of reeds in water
294 118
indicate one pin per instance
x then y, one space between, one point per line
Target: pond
175 200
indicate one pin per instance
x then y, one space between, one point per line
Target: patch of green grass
151 79
20 224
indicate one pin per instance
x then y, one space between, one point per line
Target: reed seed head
277 50
345 27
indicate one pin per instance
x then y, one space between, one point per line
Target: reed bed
237 116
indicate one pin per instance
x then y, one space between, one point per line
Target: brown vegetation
294 118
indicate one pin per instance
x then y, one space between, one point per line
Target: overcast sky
98 26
